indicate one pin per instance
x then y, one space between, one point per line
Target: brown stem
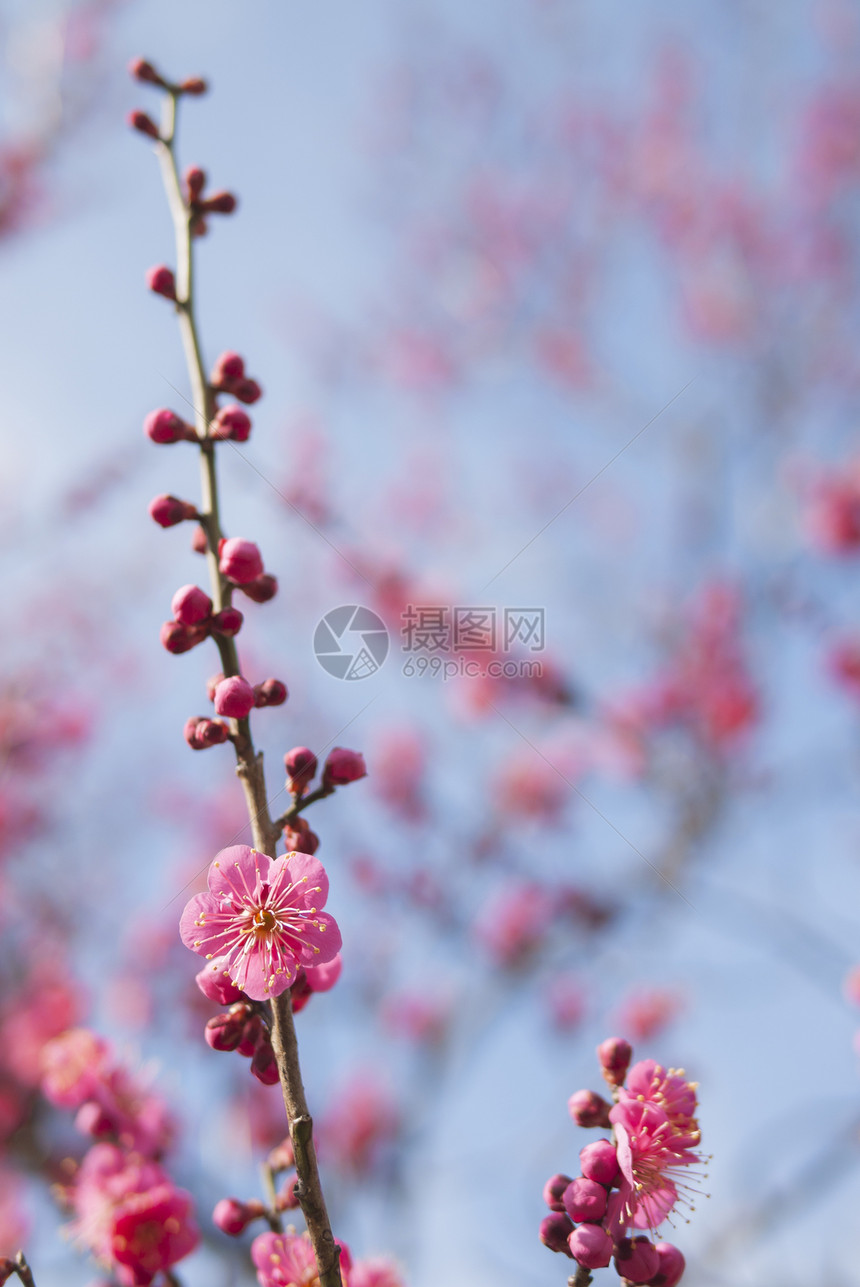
249 763
298 806
23 1270
301 1134
581 1278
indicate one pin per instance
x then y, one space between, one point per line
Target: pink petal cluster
130 1215
287 1260
262 917
79 1070
631 1182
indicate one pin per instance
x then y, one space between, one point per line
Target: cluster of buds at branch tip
231 423
194 620
228 376
233 1217
272 692
241 563
632 1181
146 73
199 206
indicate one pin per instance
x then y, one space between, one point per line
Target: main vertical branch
249 763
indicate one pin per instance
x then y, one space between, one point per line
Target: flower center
264 920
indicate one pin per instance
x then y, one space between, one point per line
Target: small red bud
230 366
227 622
165 426
201 732
226 1031
298 836
247 391
553 1191
177 638
614 1055
555 1230
143 124
234 697
219 203
251 1034
161 281
191 605
198 227
270 693
588 1109
193 85
343 766
142 70
211 684
231 422
199 540
288 1198
263 1064
195 181
239 560
261 589
301 766
169 510
281 1157
233 1217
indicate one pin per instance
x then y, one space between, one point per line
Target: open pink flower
650 1082
262 917
287 1260
651 1154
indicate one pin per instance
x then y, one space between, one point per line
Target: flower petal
237 872
308 876
320 941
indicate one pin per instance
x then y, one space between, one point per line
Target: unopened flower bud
251 1034
239 560
247 391
234 697
672 1265
190 605
202 732
229 367
195 181
599 1162
585 1200
614 1055
555 1230
177 638
263 1064
553 1191
228 621
288 1197
170 510
233 1217
591 1246
198 227
588 1109
193 85
299 837
160 279
214 982
343 766
301 766
636 1259
281 1157
143 124
199 540
231 422
261 589
142 70
226 1031
219 203
272 692
165 426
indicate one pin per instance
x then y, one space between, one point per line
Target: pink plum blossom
651 1154
287 1260
376 1272
261 915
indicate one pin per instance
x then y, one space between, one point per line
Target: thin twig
249 763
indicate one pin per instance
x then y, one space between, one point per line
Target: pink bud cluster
631 1181
287 1259
199 206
